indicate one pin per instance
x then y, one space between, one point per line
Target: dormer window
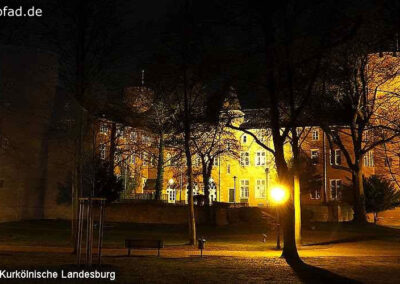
103 128
315 135
244 139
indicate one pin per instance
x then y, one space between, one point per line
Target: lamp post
234 190
279 195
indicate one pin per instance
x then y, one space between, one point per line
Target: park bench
144 244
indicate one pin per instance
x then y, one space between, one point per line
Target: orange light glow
279 194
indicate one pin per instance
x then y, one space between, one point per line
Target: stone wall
155 213
327 213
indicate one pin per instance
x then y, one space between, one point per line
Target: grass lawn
233 237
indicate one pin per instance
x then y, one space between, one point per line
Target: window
336 185
168 158
197 161
244 189
228 169
315 135
103 151
315 193
314 156
152 161
260 188
132 159
146 139
144 159
336 157
120 131
133 136
244 159
118 157
369 159
244 139
260 158
103 128
216 161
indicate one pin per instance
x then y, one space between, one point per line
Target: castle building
244 178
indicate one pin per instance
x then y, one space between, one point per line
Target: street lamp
234 189
279 195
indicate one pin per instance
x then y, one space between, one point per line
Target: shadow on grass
340 241
312 274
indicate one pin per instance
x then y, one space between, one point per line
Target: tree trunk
287 211
189 172
207 168
160 168
360 214
206 184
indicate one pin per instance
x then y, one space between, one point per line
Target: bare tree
365 90
212 142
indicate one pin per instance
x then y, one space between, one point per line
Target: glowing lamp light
279 194
171 181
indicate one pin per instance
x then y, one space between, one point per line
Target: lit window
103 151
133 136
315 135
197 161
336 157
103 128
120 131
244 159
368 159
316 193
168 159
144 159
260 188
314 156
336 185
118 156
152 161
244 189
244 139
260 158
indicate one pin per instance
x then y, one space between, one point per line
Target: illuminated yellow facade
241 179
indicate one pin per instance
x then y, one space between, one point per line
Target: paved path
361 248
